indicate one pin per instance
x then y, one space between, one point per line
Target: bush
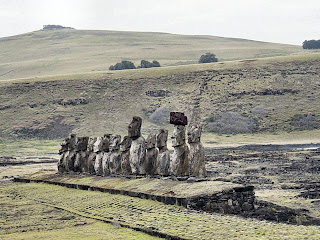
304 122
123 65
208 58
147 64
231 123
160 116
311 44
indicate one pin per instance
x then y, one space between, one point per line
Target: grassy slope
149 214
114 97
74 51
23 219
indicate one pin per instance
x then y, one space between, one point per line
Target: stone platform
211 196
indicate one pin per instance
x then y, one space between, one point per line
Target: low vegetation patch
231 123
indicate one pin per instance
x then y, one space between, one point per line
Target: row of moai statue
108 155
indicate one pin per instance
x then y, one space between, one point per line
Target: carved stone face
97 146
162 138
105 142
178 136
115 142
125 144
151 141
134 128
194 134
72 141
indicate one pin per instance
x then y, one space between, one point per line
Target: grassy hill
68 51
96 103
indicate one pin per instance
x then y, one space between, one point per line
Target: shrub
123 65
311 44
160 116
147 64
304 122
208 58
231 123
258 110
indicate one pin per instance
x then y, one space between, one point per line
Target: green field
68 51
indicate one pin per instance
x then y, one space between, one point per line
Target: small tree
123 65
147 64
208 58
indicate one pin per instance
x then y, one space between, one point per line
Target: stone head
115 142
178 136
162 138
81 144
105 142
194 133
151 141
72 141
134 128
125 144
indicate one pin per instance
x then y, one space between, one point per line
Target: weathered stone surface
70 159
98 164
115 155
80 161
125 155
151 155
163 158
105 164
98 145
197 162
61 163
138 156
163 162
194 133
180 161
151 141
134 128
91 142
81 144
178 118
105 142
90 162
178 136
162 138
72 142
64 146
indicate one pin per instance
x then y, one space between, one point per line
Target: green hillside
270 91
67 51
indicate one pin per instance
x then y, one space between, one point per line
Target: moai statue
163 159
125 155
138 147
115 155
197 163
89 167
81 153
63 152
70 156
180 158
151 155
103 148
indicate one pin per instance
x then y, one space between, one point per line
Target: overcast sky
285 21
